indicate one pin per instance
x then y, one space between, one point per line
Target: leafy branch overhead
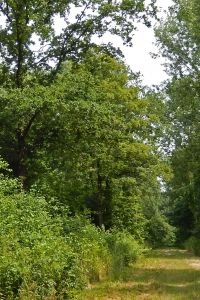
29 39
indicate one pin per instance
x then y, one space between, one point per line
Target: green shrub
193 245
35 258
159 232
101 253
90 244
128 216
44 256
124 250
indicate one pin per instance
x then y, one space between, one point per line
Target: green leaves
30 41
179 41
104 135
86 139
35 258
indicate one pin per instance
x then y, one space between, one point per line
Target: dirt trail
164 274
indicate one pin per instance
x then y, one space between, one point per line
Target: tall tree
74 124
29 40
179 39
104 153
32 52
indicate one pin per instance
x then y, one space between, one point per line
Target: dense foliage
44 256
82 165
179 42
87 140
31 42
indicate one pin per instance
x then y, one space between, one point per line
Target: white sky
138 57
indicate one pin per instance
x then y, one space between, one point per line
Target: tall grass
168 274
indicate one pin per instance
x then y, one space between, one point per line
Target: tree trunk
21 170
99 196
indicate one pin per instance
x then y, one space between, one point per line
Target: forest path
164 274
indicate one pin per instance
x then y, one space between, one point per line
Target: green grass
162 274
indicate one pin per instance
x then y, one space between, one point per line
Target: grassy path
164 274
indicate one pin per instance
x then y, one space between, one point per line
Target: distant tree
179 39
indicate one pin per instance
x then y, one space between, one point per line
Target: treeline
94 167
179 40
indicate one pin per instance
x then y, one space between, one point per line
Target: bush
124 250
44 256
35 258
90 244
193 245
101 253
159 232
128 216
